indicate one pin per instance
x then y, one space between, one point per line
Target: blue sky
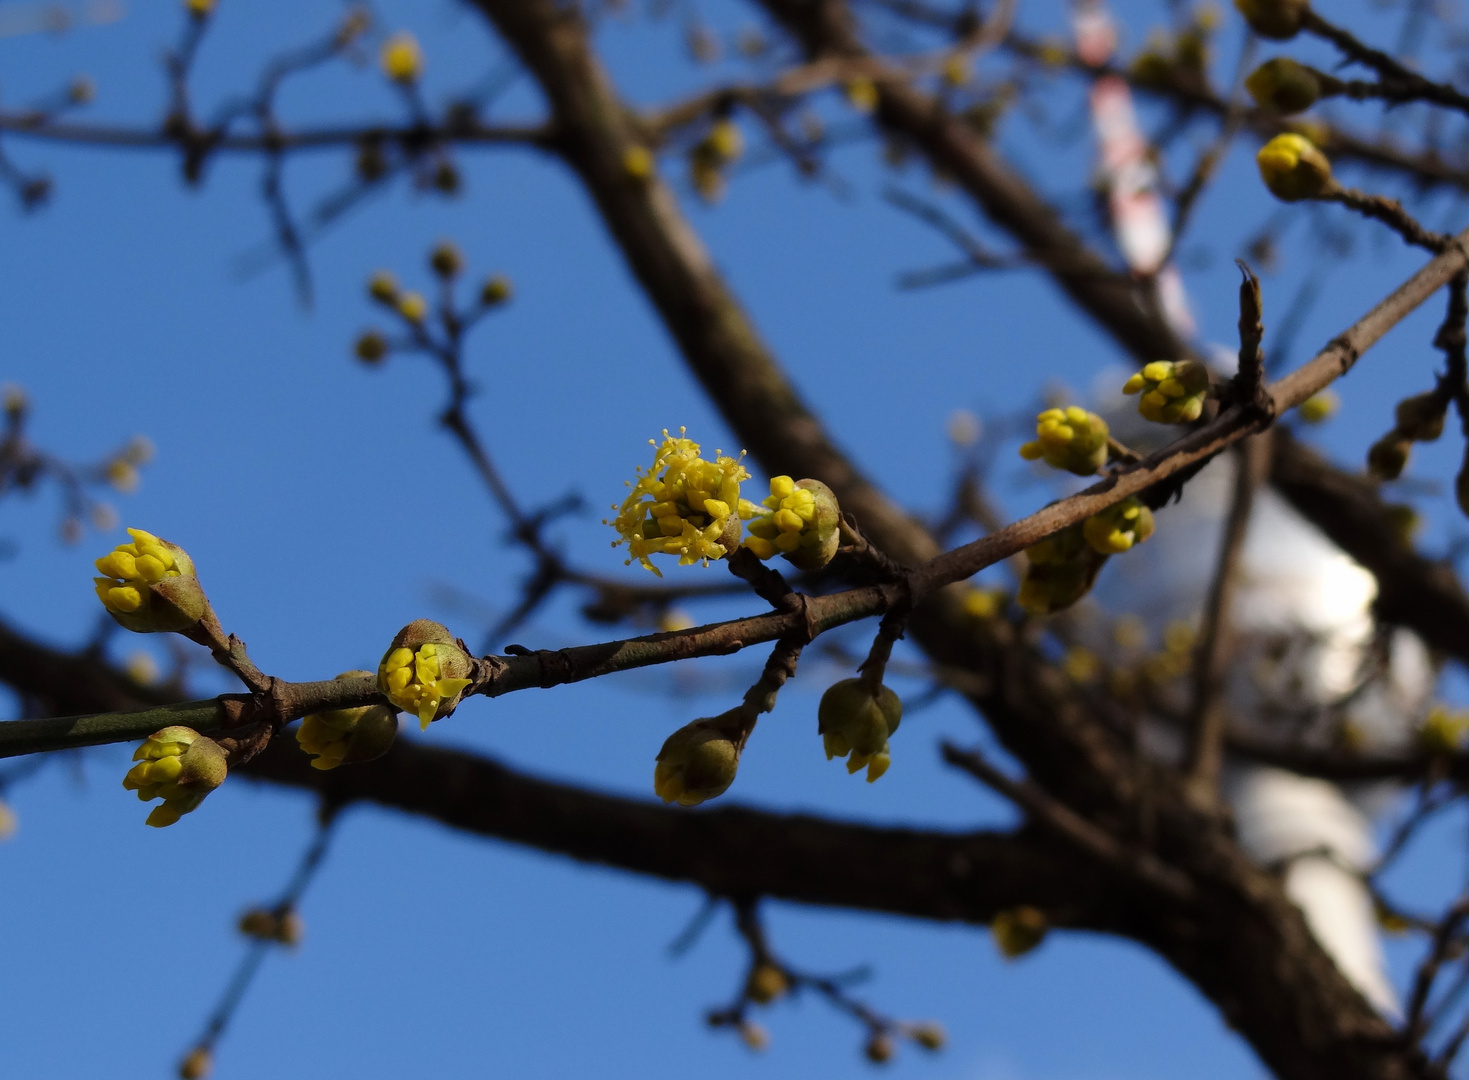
295 478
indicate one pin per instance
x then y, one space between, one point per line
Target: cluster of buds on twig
1418 419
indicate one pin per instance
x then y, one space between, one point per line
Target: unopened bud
1286 86
1071 439
150 586
1388 456
495 291
401 58
1278 20
198 1063
929 1036
1293 169
179 766
1019 930
855 723
699 761
1421 417
446 261
765 983
371 347
343 736
802 524
879 1049
383 287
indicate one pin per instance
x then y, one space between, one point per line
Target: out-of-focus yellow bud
765 983
856 725
383 287
1421 417
14 401
1293 169
639 162
179 766
123 475
712 155
1059 571
82 90
142 668
412 306
802 524
150 586
343 736
199 9
1119 527
1388 456
930 1036
1442 731
1318 408
495 291
1080 664
282 927
371 347
198 1063
1018 930
1278 20
956 70
861 94
699 761
8 821
425 671
879 1049
1071 439
673 620
1390 921
1173 392
401 58
446 260
984 603
1286 86
754 1036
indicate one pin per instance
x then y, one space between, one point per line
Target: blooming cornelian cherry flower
179 766
150 586
424 671
801 524
683 505
1071 439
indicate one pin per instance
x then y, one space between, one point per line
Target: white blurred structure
1302 611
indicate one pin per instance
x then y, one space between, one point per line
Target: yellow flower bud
765 983
342 736
1388 456
861 94
1018 930
1117 528
984 603
1403 520
383 287
1071 439
371 347
1286 86
1319 408
425 671
956 70
1442 731
754 1036
639 162
1173 392
879 1049
401 58
1421 417
1275 19
150 586
282 927
930 1036
8 821
199 9
123 475
855 724
495 291
197 1064
412 306
1293 169
179 766
446 261
699 761
802 525
1059 571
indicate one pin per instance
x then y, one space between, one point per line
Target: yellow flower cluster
802 524
179 766
1173 392
1117 528
683 506
1293 169
149 585
856 724
1071 439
